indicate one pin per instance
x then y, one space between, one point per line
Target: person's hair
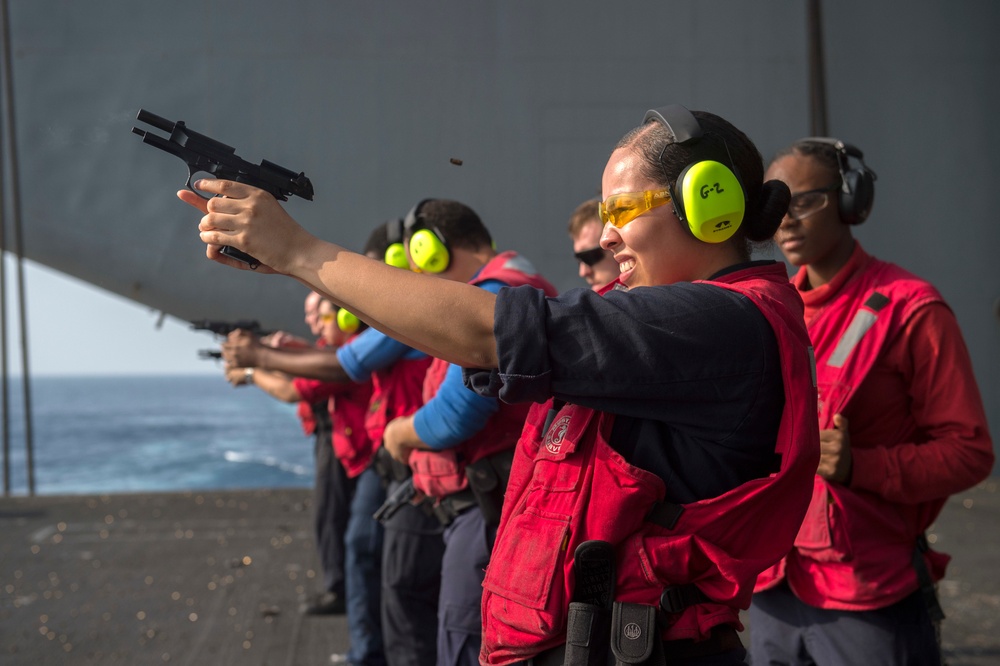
766 203
378 241
459 224
585 214
825 155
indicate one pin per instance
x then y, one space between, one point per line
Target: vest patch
556 434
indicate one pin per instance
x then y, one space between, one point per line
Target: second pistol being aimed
204 154
224 328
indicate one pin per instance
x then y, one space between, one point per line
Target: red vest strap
665 514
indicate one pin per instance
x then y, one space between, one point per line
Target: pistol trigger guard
190 186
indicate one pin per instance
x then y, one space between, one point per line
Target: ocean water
166 433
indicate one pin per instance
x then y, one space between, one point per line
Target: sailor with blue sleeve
458 435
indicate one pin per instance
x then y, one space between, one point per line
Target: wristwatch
248 376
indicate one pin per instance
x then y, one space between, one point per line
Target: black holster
488 481
588 633
635 635
388 468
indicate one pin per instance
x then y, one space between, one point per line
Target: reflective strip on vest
863 320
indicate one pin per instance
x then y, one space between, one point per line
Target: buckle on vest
665 514
676 598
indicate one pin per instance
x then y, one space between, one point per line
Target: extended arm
450 320
243 350
276 385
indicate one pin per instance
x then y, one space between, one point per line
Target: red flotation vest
568 485
441 473
861 530
351 444
396 391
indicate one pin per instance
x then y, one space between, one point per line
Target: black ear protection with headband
429 249
857 186
708 195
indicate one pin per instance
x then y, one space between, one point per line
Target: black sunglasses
592 256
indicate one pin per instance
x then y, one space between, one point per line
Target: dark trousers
332 498
467 546
783 630
411 582
364 572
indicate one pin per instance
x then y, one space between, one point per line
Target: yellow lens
327 317
620 209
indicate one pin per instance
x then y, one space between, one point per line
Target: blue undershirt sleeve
370 351
455 413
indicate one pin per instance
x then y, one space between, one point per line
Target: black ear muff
857 185
395 253
708 195
428 247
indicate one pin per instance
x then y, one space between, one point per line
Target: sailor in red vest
332 489
670 458
902 428
394 573
460 444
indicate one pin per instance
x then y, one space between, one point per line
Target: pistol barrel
156 121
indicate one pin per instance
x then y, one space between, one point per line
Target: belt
451 506
722 638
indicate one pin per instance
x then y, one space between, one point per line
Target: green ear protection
347 322
428 248
708 195
395 254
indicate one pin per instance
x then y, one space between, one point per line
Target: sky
75 328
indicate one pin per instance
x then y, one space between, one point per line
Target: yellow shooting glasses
620 209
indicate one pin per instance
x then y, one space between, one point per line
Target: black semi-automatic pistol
224 328
203 154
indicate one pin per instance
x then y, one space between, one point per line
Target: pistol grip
240 256
252 262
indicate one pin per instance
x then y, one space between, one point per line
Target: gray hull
372 100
